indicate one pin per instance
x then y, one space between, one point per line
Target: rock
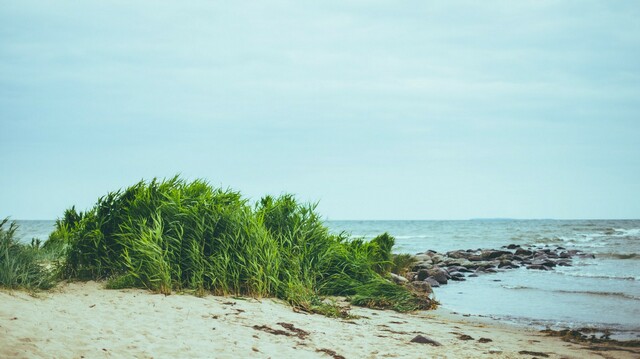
422 265
458 279
513 246
544 262
434 283
422 274
456 275
465 337
452 262
484 340
398 279
425 340
538 267
473 275
458 254
439 274
564 255
422 257
523 252
491 254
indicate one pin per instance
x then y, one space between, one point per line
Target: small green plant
401 263
21 265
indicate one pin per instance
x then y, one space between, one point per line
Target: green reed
21 265
177 235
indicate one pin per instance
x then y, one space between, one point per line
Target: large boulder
439 274
422 274
434 283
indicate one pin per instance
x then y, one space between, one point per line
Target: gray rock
422 265
439 275
491 254
398 279
523 252
422 274
422 257
434 283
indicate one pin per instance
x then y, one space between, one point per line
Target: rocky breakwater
433 269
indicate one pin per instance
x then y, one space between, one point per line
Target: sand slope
83 320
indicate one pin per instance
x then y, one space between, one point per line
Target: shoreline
82 319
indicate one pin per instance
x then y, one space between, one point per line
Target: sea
600 292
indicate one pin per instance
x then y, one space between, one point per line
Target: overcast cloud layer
377 109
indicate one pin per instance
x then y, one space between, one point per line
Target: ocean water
600 292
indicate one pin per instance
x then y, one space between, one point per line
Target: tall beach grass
22 265
176 235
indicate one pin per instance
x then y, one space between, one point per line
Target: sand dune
83 320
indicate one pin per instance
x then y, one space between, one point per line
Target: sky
373 109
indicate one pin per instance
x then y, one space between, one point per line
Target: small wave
596 276
632 232
605 294
547 240
414 237
618 255
587 292
517 287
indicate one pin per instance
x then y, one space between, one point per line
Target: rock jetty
436 269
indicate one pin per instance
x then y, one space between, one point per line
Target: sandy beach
83 320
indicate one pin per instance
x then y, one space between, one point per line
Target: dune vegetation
22 265
174 235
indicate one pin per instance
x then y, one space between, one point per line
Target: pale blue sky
377 109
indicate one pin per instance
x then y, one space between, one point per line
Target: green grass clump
21 266
401 263
385 295
176 235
